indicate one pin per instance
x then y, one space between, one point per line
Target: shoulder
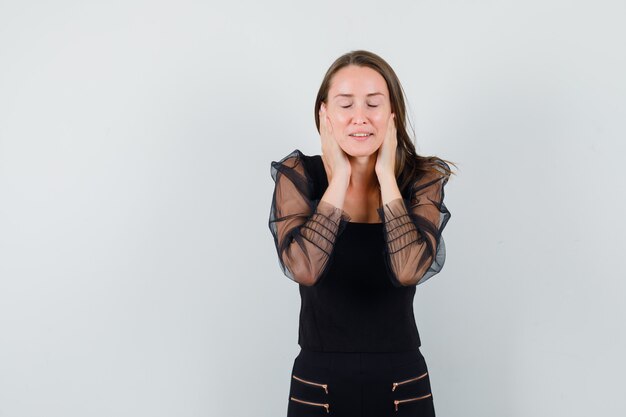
435 171
298 164
290 160
442 167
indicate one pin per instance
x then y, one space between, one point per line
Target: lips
361 138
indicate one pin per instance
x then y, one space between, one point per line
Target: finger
329 124
322 122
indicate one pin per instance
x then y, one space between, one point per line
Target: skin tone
358 101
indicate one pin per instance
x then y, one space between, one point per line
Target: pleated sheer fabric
305 229
415 248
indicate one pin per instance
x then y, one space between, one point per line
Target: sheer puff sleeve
304 228
415 250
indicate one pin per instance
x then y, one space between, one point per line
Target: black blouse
357 280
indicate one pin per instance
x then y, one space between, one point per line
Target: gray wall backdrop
138 276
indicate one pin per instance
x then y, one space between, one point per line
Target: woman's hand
386 158
335 159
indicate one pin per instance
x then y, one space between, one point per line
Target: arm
304 229
415 249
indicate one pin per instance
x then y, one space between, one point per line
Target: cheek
380 115
340 124
340 119
380 121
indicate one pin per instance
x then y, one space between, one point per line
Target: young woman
358 228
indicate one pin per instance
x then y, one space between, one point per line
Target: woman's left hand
386 158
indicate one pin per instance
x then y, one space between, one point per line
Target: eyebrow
352 95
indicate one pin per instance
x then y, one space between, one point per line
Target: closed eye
371 105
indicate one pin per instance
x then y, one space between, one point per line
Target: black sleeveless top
357 281
354 307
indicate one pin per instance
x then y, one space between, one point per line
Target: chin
360 149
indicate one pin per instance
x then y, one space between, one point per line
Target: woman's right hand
335 159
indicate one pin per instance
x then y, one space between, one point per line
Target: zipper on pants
396 384
325 405
325 386
396 402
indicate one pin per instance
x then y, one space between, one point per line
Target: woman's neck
363 176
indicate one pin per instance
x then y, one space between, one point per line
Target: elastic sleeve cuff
333 213
399 227
325 224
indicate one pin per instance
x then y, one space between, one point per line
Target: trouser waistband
357 360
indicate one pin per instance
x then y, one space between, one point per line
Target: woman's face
358 102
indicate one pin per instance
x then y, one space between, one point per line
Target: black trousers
360 384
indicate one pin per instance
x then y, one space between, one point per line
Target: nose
359 117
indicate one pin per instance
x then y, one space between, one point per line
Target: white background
138 275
